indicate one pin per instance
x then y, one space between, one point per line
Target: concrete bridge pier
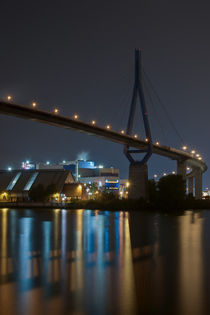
198 184
181 168
190 185
138 178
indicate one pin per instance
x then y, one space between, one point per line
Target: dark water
101 262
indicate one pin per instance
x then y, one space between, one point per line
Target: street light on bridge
93 122
108 126
184 147
56 110
76 116
34 104
9 97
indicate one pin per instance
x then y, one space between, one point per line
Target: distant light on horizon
9 97
48 162
184 147
9 168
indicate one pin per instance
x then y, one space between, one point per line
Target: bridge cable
122 105
163 106
155 111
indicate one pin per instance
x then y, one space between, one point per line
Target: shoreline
113 205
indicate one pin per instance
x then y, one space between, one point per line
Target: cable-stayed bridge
138 174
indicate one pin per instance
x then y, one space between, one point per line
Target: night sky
79 56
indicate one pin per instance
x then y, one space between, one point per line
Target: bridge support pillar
138 178
198 184
190 185
181 168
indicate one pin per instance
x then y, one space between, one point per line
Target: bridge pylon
138 171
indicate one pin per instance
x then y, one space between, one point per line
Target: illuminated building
16 185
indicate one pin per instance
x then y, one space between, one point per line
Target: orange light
34 104
135 136
108 126
56 110
157 143
9 97
93 122
122 132
76 116
146 140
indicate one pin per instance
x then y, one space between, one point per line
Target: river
103 262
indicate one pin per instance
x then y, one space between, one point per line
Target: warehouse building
16 185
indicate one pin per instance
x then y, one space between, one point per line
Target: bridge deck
45 117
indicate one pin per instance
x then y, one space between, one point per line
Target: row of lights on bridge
93 122
108 127
173 173
198 156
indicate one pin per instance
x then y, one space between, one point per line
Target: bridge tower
138 171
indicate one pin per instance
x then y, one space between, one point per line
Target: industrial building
86 172
82 173
16 185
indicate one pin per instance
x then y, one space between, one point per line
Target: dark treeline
168 194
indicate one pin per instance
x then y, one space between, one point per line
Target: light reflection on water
102 262
171 256
65 262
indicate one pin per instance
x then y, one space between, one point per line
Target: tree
152 190
37 193
93 188
171 189
50 190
